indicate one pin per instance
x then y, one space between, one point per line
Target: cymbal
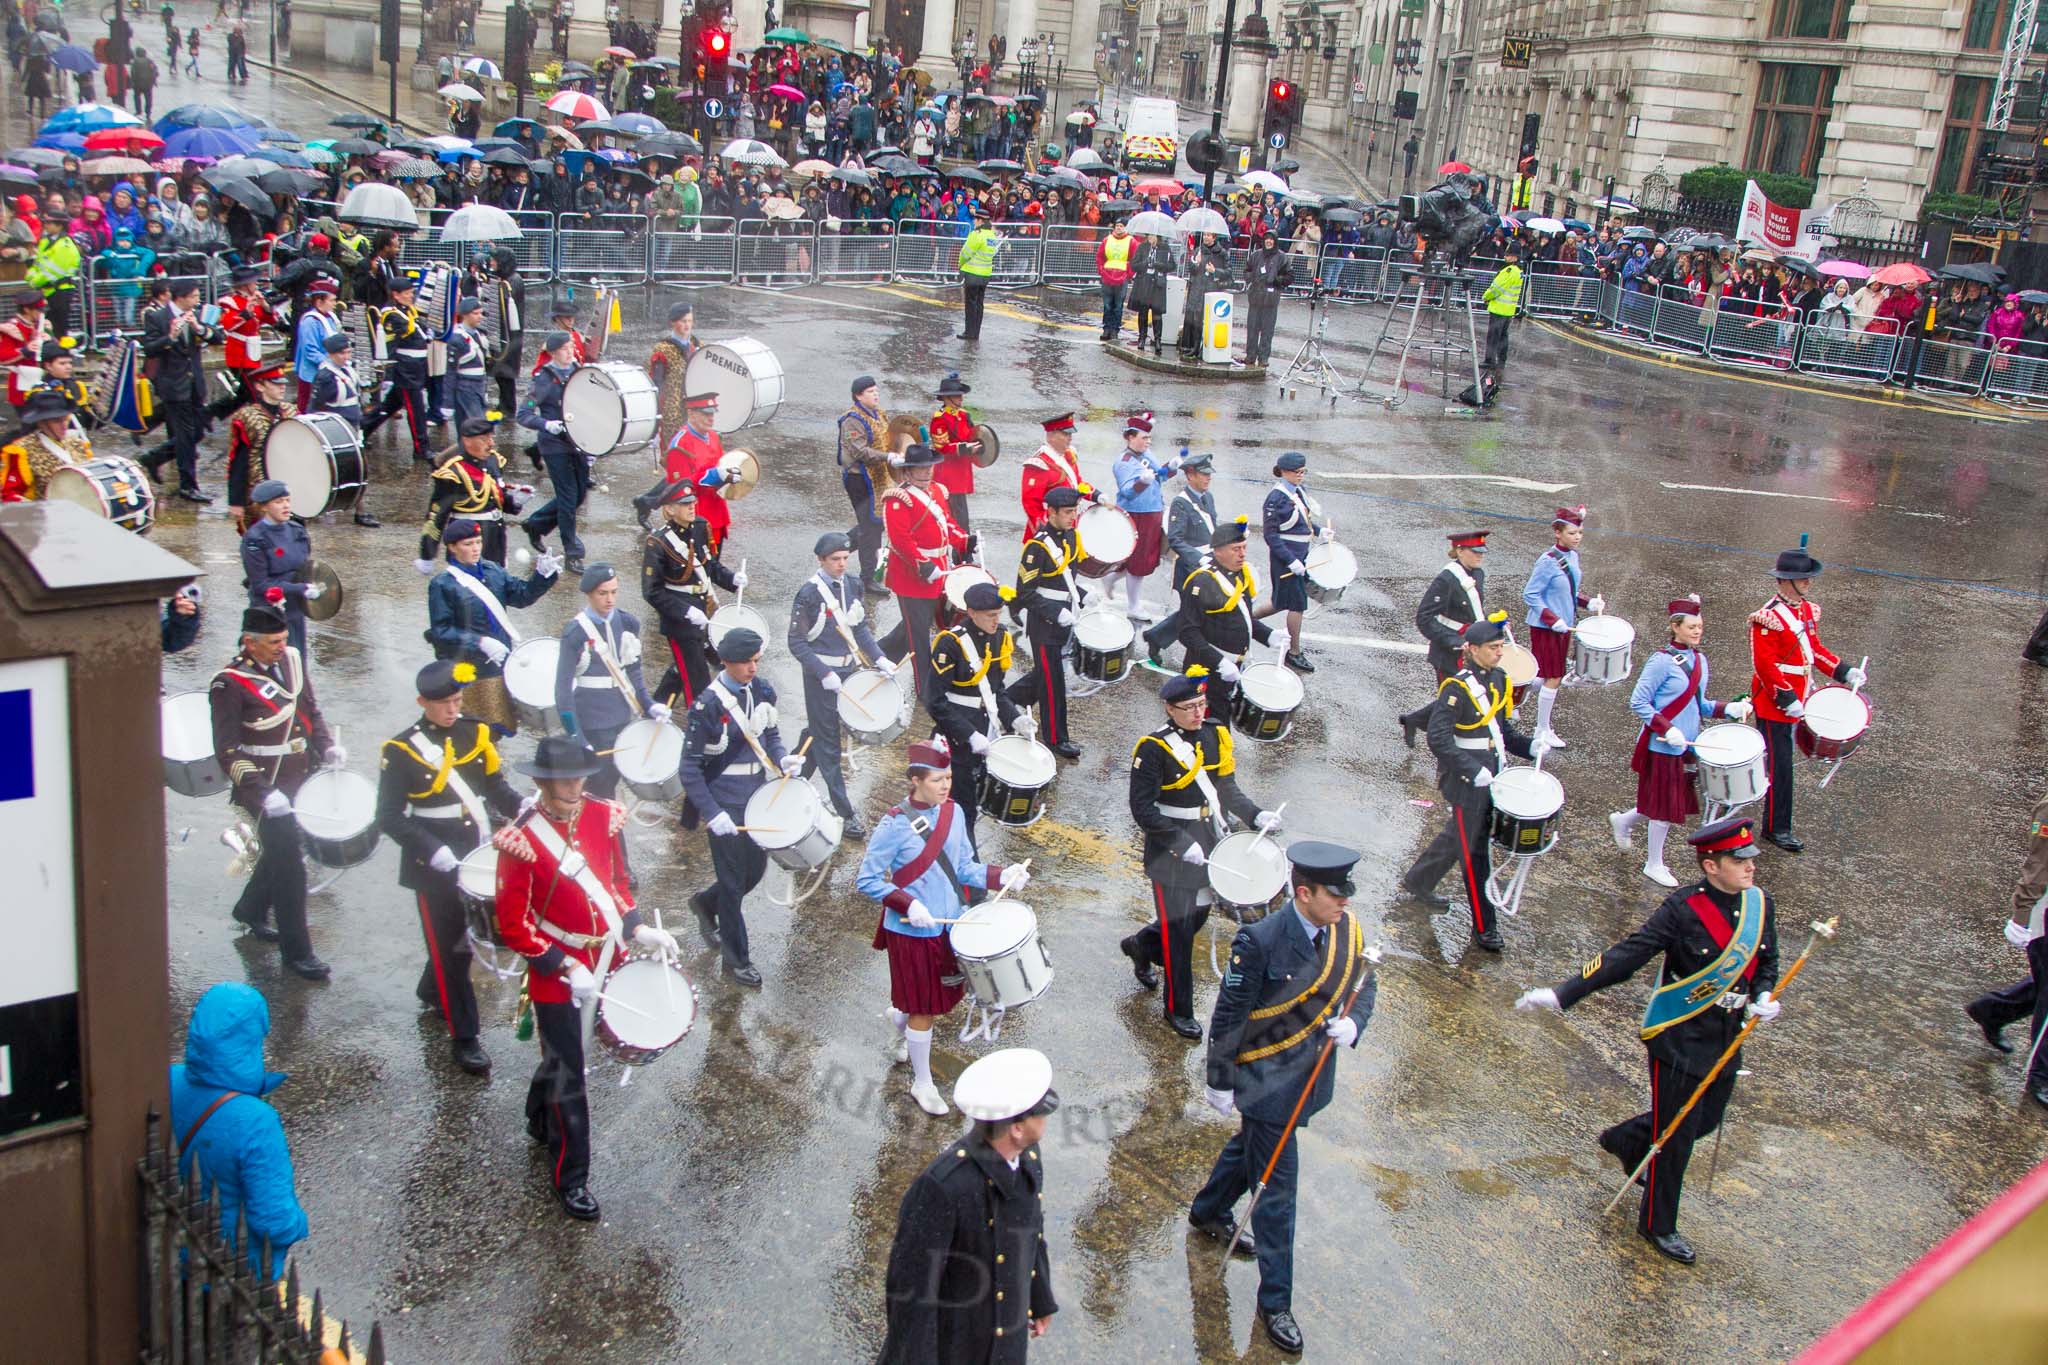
331 596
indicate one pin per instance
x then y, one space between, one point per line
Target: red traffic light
1281 90
716 42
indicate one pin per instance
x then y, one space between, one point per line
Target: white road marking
1368 642
1802 497
1503 480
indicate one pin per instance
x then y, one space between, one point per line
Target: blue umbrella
284 156
90 118
63 142
213 142
492 144
513 127
199 116
639 123
73 58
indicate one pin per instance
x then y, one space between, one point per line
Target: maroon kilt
1145 558
917 968
1667 785
1552 649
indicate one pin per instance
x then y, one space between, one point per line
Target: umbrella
576 68
492 144
606 127
250 197
504 156
997 166
353 120
566 138
1081 118
1161 185
1264 180
781 208
413 168
747 152
2033 296
373 205
1980 272
1453 168
1067 178
320 156
641 125
73 58
1900 272
785 92
849 175
355 146
1639 234
910 170
276 136
482 67
513 127
456 90
577 105
628 53
1202 220
794 36
479 223
1286 165
885 150
629 173
831 45
200 116
977 97
1759 255
213 142
451 155
36 156
1342 217
444 142
116 165
1117 205
1550 225
24 175
86 118
289 182
1617 205
811 167
670 146
968 176
122 139
1153 223
1086 158
62 142
245 167
417 146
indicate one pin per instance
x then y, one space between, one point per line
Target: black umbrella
669 147
1976 272
1286 165
847 175
250 197
1343 217
631 173
1116 205
417 147
997 166
574 68
1798 265
1030 99
356 121
608 127
1342 201
883 152
36 156
967 175
355 146
505 156
1639 234
287 181
2034 296
541 165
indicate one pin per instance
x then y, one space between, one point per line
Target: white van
1151 135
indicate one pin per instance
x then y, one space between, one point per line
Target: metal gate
705 253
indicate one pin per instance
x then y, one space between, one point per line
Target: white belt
297 746
493 515
594 681
1795 668
694 589
410 354
1733 1000
1055 596
1298 535
469 374
958 700
557 932
835 660
739 770
1473 743
1183 812
451 811
1454 625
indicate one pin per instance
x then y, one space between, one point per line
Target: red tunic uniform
691 456
19 346
921 530
951 427
1785 653
582 356
1043 472
530 891
243 319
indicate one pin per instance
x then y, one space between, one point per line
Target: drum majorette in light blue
1677 1001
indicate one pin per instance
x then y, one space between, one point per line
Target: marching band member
1454 599
1993 1010
1290 531
244 314
1554 601
1217 625
466 620
968 1277
1785 650
1049 599
470 486
866 469
730 746
59 376
45 445
1183 791
1140 483
1051 466
969 702
175 340
697 457
21 342
566 906
1471 732
599 686
501 265
267 728
274 549
406 340
924 542
1670 699
1263 1041
468 360
677 569
666 367
829 637
562 318
249 435
919 897
439 783
313 326
1190 521
1719 938
954 437
335 388
568 468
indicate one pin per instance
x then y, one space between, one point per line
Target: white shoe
1145 611
1618 822
902 1053
1553 739
1659 874
929 1100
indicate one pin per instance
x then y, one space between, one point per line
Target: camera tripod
1310 365
1445 350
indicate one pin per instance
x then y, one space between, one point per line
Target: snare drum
649 756
476 886
110 486
959 580
792 824
1104 538
1267 698
1520 666
990 447
1016 773
733 616
190 769
1602 649
1103 637
609 406
1000 953
1331 568
337 815
1246 870
1528 803
744 374
1834 723
1734 768
646 1008
870 704
320 458
530 683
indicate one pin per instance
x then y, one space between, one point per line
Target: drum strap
1189 756
1784 612
604 656
988 697
446 771
934 831
1695 679
474 586
1070 470
740 719
1674 1002
1564 561
829 596
1208 522
1300 514
542 832
1238 590
1063 561
1465 581
1490 716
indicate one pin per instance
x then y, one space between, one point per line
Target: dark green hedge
1962 207
1724 185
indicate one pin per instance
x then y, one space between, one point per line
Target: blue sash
1674 1002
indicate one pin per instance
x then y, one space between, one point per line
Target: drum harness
571 863
829 596
475 588
1300 514
243 839
1189 756
987 700
1457 571
1242 587
938 514
604 656
676 547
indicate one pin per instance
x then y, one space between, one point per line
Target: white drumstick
1858 687
739 594
1002 891
1258 838
613 1000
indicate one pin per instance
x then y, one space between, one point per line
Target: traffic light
1279 106
714 45
1279 93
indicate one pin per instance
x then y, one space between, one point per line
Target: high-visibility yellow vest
978 253
1116 252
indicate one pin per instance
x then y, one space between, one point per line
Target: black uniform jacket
418 809
1159 778
1273 961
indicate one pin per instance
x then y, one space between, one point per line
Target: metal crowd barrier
612 247
2016 378
108 311
848 253
707 252
1960 367
777 255
1067 257
1843 353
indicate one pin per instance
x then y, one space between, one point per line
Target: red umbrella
1901 272
121 140
628 53
785 92
1452 168
1160 185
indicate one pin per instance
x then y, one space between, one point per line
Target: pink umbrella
1847 270
785 92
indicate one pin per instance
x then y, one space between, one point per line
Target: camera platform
1171 363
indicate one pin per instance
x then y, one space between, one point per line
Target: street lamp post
1222 90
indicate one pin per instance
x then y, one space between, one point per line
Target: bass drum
110 486
744 374
610 406
1104 537
320 458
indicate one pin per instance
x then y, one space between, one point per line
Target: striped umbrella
577 105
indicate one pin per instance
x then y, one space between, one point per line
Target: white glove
425 566
1227 670
1326 535
660 712
553 428
444 861
791 765
1764 1008
887 665
335 756
1738 710
1538 998
493 648
1066 617
647 936
1015 878
1222 1101
920 917
722 823
739 579
582 985
1596 604
978 742
315 591
2017 935
1796 710
1296 567
696 617
1267 819
548 564
1344 1030
830 682
1675 737
1193 855
1484 779
1562 628
1856 677
276 803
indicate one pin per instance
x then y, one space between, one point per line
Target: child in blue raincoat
126 263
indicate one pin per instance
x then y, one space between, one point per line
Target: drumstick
759 829
1002 891
1260 837
613 1000
1859 668
739 593
668 987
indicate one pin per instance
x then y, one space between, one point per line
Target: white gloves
493 648
1675 737
722 823
582 985
1015 877
1738 710
1796 709
1296 567
1540 747
647 936
548 564
444 861
830 682
1484 778
315 591
425 566
1539 998
554 428
1326 535
696 617
1222 1101
978 742
2017 935
739 579
791 765
1193 855
1344 1030
1596 604
276 803
1066 616
920 917
335 756
1227 670
1563 627
886 664
1856 678
660 712
1267 819
1764 1008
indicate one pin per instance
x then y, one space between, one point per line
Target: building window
1988 23
1813 19
1792 106
1962 135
